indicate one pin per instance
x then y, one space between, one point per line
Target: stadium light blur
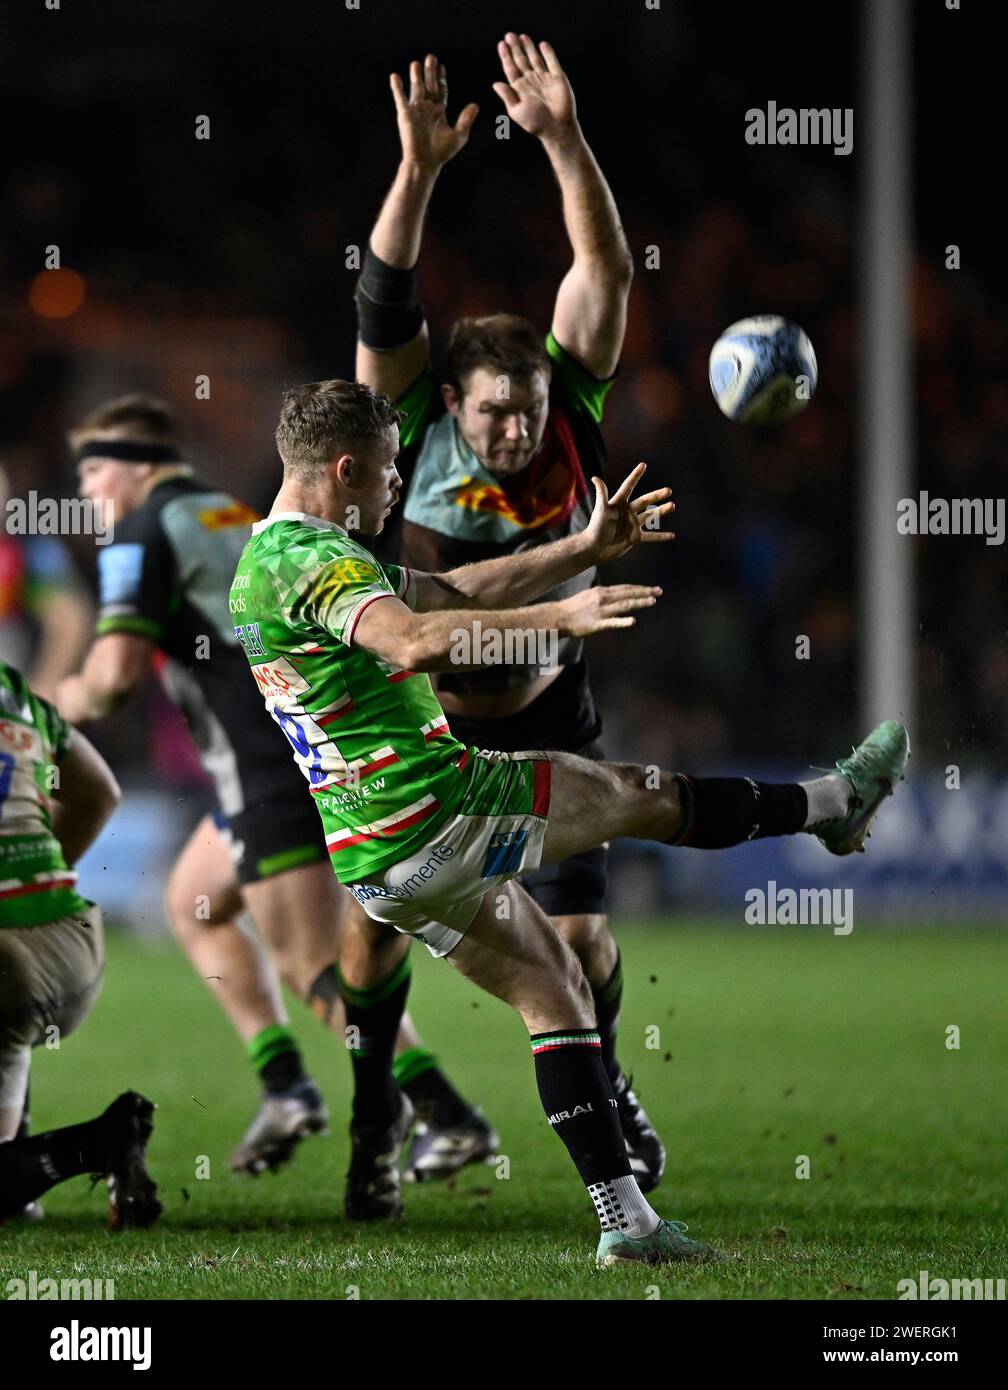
57 294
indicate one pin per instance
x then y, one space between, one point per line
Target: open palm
427 137
537 94
621 521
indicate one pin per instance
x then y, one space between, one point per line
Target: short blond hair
319 420
139 417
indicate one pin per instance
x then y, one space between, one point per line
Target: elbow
419 648
418 655
121 688
430 649
112 794
623 268
106 794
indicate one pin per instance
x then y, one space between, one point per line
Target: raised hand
537 94
428 140
617 522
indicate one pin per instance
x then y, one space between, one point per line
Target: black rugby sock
579 1102
375 1013
30 1167
274 1054
417 1073
722 811
577 1096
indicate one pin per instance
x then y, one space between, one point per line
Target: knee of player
653 791
295 975
582 931
628 782
188 913
176 903
576 982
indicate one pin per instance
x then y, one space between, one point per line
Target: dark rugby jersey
167 576
457 512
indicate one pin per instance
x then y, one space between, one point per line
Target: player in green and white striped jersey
430 834
56 793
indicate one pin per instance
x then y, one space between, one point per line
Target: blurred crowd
235 268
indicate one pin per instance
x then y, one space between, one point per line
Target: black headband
129 451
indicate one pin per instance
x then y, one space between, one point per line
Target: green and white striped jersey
35 884
371 738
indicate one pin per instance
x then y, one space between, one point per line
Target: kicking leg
595 801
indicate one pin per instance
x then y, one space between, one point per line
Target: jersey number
296 729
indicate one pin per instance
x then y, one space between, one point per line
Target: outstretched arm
438 641
618 523
393 346
589 319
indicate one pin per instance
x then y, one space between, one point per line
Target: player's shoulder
419 406
15 693
288 531
142 524
202 504
293 544
145 522
573 386
19 702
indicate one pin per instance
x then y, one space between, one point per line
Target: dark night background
226 257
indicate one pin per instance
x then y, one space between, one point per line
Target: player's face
379 488
503 434
112 482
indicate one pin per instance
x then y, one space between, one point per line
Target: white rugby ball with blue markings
763 370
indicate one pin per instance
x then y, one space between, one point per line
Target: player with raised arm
496 460
164 600
431 834
56 793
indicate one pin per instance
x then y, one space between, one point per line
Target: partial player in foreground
496 459
164 603
56 793
430 834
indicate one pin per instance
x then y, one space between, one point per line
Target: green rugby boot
873 770
667 1244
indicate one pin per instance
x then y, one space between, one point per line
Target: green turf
771 1044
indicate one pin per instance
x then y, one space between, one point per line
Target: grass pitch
770 1044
